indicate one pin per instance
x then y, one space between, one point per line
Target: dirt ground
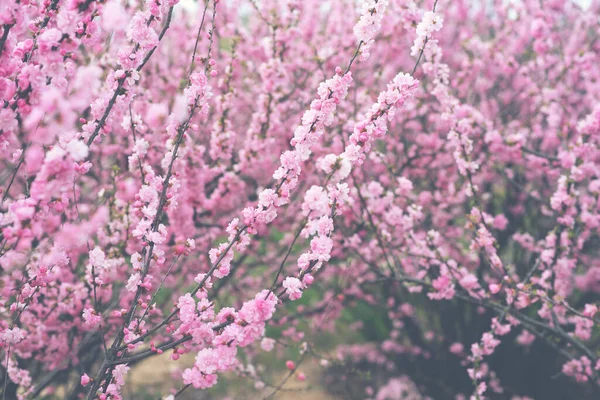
154 375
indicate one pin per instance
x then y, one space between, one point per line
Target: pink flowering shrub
401 195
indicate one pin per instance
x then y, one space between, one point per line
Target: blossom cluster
360 186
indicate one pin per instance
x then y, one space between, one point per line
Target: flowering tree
226 179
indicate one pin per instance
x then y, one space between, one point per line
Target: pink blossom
176 177
12 336
85 379
293 287
91 318
119 374
140 33
133 282
267 344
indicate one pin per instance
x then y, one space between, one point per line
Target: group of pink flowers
176 178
